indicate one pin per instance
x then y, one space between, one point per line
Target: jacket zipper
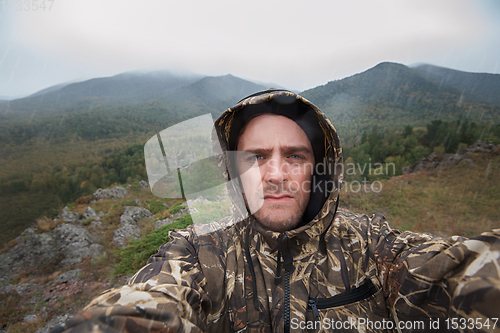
362 292
287 302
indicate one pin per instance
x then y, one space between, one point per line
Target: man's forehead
269 130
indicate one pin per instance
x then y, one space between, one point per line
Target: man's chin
278 221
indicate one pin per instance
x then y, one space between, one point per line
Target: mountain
211 94
481 87
394 95
122 89
51 89
174 101
55 144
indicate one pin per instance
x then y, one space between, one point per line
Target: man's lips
278 198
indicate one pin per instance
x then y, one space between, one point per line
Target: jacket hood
327 177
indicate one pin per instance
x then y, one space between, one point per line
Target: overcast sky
295 44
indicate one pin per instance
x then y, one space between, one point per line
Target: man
295 263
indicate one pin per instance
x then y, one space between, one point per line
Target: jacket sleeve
166 295
433 278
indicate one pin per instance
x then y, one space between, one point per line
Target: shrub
45 224
156 207
83 200
175 208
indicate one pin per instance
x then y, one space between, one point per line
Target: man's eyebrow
258 151
286 149
296 149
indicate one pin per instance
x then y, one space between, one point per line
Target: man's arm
426 277
166 295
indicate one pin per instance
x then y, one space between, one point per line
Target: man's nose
276 170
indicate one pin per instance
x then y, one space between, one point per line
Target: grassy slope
461 200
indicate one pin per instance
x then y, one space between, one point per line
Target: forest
44 193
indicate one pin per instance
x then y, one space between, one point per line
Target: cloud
296 44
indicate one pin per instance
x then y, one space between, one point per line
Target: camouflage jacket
340 271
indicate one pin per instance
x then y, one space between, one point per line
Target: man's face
275 160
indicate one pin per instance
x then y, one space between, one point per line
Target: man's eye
295 157
254 158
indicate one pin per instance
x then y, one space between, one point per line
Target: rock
424 164
54 322
181 213
96 250
90 213
7 288
67 276
22 288
434 156
143 185
117 192
127 231
68 216
32 249
467 161
450 160
196 201
71 241
95 224
132 215
30 318
439 162
480 147
129 218
74 242
161 223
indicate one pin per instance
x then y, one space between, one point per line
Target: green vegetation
175 208
462 200
384 154
208 212
392 96
44 193
64 144
156 206
136 253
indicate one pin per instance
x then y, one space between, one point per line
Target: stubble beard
282 217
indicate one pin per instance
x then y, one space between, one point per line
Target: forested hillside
66 141
394 95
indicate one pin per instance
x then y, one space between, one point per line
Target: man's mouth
278 198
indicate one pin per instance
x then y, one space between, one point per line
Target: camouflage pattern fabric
202 281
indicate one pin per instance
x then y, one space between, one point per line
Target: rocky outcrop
143 185
128 231
196 201
134 214
129 218
90 213
117 192
32 249
161 223
67 242
437 161
72 275
74 242
68 216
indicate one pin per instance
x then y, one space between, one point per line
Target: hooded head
288 163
